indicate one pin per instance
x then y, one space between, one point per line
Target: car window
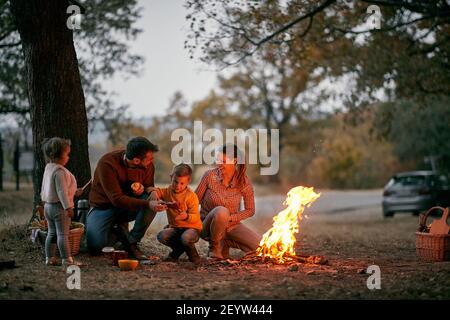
410 180
390 183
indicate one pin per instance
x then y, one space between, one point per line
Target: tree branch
430 48
429 11
7 108
258 44
301 35
415 7
10 45
6 34
239 30
382 29
296 21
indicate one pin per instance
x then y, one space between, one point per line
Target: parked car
415 191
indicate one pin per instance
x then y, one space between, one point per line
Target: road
330 202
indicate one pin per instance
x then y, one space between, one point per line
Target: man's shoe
134 251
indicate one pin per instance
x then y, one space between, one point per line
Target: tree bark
53 80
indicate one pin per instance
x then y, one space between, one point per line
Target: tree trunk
54 88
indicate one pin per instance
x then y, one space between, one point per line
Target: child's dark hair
181 170
138 147
54 147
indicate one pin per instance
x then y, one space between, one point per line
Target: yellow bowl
127 264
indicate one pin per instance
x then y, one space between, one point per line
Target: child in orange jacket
183 215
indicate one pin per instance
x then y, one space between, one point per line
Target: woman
220 192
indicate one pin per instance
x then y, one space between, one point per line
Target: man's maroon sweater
112 182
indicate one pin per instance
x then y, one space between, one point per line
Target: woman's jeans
178 239
104 227
58 230
216 229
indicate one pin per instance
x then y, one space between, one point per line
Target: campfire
278 244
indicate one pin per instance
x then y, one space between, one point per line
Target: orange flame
278 243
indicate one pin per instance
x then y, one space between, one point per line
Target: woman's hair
54 147
181 170
233 152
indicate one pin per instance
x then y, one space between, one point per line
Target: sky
167 67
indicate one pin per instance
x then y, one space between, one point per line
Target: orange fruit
136 186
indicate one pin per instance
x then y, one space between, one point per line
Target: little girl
58 189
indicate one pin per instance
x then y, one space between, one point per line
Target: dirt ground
350 241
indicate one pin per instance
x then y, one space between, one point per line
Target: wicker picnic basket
432 247
75 234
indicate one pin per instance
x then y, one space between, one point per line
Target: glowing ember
278 243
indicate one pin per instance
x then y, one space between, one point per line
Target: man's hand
153 196
181 216
70 213
149 190
157 205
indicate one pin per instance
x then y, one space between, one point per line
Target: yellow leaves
348 157
314 52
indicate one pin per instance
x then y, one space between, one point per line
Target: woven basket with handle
432 247
75 236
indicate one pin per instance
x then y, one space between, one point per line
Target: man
115 202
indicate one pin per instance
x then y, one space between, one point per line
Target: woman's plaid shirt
212 192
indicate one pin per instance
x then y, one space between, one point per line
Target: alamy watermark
374 19
374 281
74 21
74 280
190 148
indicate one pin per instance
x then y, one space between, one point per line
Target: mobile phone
172 205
